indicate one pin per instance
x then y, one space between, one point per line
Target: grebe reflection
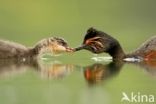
94 73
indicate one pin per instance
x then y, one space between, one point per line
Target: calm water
56 81
76 78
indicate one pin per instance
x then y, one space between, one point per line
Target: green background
27 21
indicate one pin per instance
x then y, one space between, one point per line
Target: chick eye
64 44
61 41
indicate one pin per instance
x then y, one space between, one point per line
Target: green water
63 80
57 81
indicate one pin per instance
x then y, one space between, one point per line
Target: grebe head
98 42
53 45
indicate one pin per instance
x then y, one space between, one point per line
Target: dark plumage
97 42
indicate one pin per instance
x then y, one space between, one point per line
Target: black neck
117 52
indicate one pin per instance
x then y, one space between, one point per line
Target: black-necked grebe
98 42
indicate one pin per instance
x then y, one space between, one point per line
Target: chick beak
68 49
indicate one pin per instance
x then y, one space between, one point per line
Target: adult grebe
14 50
98 42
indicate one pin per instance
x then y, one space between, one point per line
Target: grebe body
98 42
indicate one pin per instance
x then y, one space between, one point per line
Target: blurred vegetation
27 21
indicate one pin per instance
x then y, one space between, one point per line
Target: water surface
56 81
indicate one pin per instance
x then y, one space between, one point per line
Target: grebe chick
53 45
98 42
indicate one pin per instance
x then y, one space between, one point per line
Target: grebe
97 42
14 50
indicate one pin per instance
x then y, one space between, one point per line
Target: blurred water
51 81
79 78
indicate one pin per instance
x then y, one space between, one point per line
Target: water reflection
9 67
148 66
55 70
52 69
94 73
99 72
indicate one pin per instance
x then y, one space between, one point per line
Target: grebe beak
80 48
